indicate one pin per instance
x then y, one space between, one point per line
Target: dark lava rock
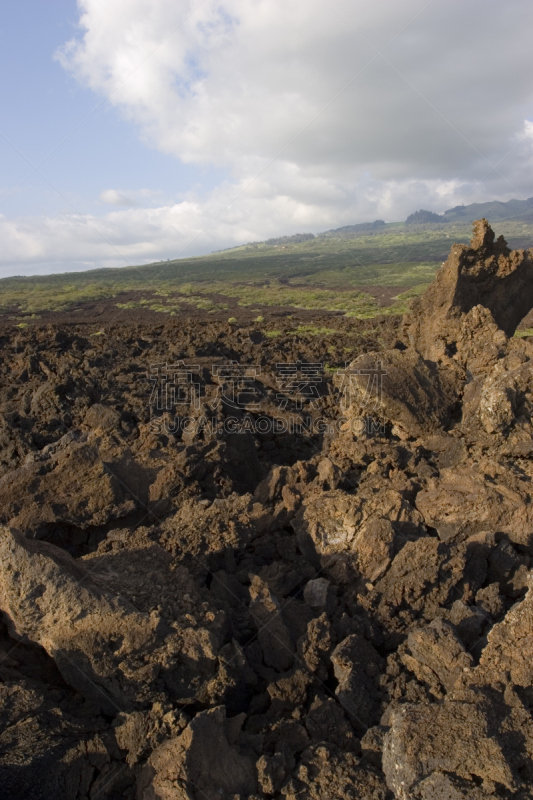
334 602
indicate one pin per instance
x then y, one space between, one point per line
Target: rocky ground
229 572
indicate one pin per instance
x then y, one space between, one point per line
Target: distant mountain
296 238
359 228
494 210
423 216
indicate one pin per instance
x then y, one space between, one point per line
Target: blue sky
42 105
176 127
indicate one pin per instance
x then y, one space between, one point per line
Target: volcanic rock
102 645
473 738
204 763
334 604
484 274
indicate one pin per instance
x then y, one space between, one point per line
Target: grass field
328 272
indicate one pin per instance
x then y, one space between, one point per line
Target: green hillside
328 271
513 209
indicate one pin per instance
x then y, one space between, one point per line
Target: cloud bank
322 113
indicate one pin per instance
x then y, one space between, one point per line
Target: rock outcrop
486 274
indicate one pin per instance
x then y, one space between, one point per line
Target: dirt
293 566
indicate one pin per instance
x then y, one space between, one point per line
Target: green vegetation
313 330
327 272
352 302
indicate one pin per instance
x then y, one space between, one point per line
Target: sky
139 130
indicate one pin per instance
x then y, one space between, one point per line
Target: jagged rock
316 593
327 722
289 692
356 664
272 632
469 622
438 648
414 584
490 600
372 745
315 647
374 545
500 401
486 274
141 732
461 502
272 771
72 487
47 753
508 655
400 389
325 772
475 737
209 527
102 645
286 736
203 763
328 523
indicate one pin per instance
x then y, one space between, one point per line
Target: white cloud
235 82
288 200
114 197
293 99
131 198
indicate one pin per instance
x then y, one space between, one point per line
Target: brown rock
328 523
73 487
325 772
273 634
461 502
356 665
414 582
508 655
485 274
102 645
314 648
474 738
400 389
327 722
200 764
48 754
437 647
374 547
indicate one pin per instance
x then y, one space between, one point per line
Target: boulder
462 502
338 522
104 647
437 647
474 738
508 655
356 664
327 772
398 388
203 763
